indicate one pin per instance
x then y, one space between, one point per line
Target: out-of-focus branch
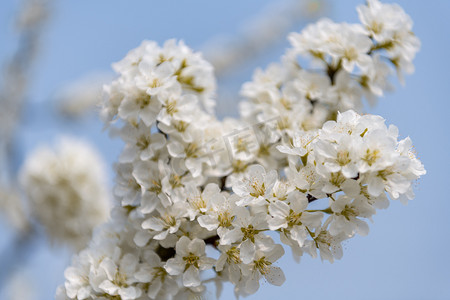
82 96
13 91
16 254
260 33
15 80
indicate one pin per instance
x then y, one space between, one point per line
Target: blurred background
61 52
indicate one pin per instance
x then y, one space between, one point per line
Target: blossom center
143 100
225 219
258 189
143 142
262 265
371 156
180 126
155 83
233 255
191 260
349 212
120 279
171 107
351 54
156 188
159 272
198 203
175 181
191 150
294 218
249 233
337 179
343 158
169 220
385 173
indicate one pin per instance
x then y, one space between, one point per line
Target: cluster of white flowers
348 62
66 191
197 197
153 78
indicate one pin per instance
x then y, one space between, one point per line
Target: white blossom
346 213
190 258
256 186
248 230
66 190
262 266
292 218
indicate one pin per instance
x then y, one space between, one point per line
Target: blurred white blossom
66 190
13 208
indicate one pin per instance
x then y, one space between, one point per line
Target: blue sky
405 256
